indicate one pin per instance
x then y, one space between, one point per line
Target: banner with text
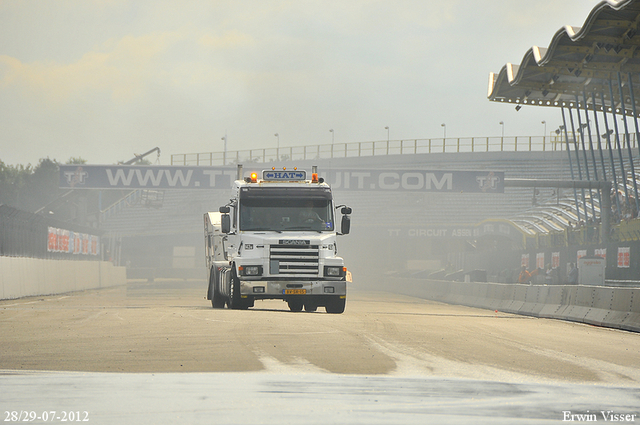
66 241
171 177
144 177
416 180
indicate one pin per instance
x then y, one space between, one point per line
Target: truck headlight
250 270
333 271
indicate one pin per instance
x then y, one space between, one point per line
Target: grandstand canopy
580 61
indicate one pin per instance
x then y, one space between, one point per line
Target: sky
104 79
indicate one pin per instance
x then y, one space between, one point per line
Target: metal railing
379 148
124 202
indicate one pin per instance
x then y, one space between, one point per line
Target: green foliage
27 187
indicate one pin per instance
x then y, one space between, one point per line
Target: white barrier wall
23 277
597 305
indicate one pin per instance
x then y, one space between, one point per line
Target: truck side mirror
225 219
345 226
345 210
225 223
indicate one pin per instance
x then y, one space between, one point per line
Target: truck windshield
281 214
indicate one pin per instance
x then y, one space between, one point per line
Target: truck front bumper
286 289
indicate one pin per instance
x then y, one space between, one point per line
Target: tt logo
489 182
76 177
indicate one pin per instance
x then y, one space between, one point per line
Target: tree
27 187
43 185
12 179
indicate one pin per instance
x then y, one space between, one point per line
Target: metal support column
610 149
593 153
628 135
566 140
577 148
584 152
595 119
615 124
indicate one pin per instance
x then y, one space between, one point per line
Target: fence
386 147
25 234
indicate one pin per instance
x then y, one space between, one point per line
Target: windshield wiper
303 228
262 229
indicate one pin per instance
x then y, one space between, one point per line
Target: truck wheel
216 298
310 306
235 300
295 305
217 301
335 305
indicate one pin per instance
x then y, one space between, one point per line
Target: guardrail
378 148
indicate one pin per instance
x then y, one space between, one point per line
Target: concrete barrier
602 306
553 302
518 296
24 277
632 318
531 306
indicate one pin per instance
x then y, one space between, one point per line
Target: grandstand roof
579 60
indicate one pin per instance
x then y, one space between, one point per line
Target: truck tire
336 305
295 304
217 301
310 306
235 300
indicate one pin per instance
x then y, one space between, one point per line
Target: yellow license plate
294 291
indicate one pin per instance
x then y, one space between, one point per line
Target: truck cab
277 239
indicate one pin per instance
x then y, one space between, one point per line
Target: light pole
444 130
545 128
278 148
224 155
502 124
332 136
559 135
387 128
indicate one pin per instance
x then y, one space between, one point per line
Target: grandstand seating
182 210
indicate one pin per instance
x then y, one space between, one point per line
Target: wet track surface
387 359
263 398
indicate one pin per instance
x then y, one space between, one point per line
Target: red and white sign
540 260
61 240
601 252
525 260
555 260
624 256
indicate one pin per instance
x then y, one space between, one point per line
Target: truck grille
301 260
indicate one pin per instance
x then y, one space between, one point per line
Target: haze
104 79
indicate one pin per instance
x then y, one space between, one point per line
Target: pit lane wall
617 308
23 277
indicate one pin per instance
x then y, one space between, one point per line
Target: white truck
276 239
